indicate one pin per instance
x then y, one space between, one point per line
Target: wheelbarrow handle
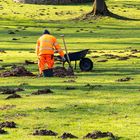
68 58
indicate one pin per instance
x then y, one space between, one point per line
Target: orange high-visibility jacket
46 45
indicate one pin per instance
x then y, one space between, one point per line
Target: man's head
46 32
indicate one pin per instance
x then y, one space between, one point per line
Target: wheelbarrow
85 64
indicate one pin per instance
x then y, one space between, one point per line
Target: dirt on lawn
70 81
10 90
12 96
125 79
28 62
103 60
99 134
8 124
7 107
2 131
17 71
22 71
68 136
42 91
70 88
62 72
45 133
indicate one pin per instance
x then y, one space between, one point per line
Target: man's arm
58 48
37 47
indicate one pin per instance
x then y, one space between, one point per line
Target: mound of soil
95 56
11 32
10 91
111 56
31 51
62 72
27 62
45 133
70 88
93 86
7 91
15 38
2 131
42 91
68 135
104 60
123 58
17 71
70 72
133 56
2 51
8 124
135 51
13 96
125 79
7 107
19 89
99 134
87 85
70 81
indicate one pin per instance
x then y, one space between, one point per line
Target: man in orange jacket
45 47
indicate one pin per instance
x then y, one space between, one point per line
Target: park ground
99 101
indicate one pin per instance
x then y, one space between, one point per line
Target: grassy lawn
106 105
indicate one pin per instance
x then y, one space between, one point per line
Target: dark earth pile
27 62
7 91
2 131
45 133
17 71
7 107
123 58
135 51
133 56
70 88
8 124
99 134
70 81
42 91
13 96
95 56
68 135
11 32
125 79
93 86
18 89
10 90
103 60
111 56
62 72
2 51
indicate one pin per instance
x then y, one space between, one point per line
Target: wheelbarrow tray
77 55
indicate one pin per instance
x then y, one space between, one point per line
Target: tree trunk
100 8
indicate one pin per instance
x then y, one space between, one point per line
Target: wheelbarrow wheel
86 64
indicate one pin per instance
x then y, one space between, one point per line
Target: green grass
113 107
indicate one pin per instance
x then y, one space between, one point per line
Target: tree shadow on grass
110 72
83 87
121 17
